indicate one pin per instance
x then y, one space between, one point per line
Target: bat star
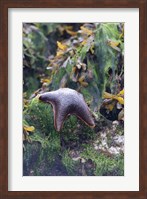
67 102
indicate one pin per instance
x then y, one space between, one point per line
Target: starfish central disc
66 102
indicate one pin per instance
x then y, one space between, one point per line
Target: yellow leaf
84 42
59 53
92 49
68 27
120 100
72 33
110 96
114 44
45 80
121 93
107 95
29 128
61 46
81 79
84 84
121 35
73 69
86 30
110 106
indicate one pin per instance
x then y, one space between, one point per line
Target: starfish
67 102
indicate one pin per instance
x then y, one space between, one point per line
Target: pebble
115 150
119 140
115 122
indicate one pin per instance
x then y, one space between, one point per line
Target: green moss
40 116
104 165
69 164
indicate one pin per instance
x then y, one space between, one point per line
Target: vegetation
88 58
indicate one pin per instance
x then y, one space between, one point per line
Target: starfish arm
84 114
49 97
59 117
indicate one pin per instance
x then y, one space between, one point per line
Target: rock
115 150
83 160
116 123
119 140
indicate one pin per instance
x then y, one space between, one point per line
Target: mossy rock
45 146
